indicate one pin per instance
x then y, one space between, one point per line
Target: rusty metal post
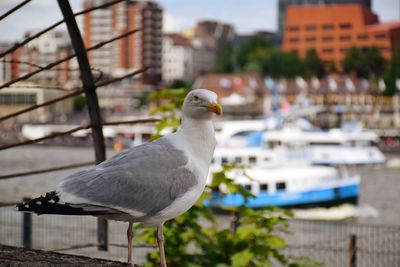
27 228
352 250
92 103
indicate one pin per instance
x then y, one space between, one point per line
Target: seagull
149 184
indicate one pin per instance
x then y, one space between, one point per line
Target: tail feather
50 204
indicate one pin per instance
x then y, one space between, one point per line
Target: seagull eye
196 98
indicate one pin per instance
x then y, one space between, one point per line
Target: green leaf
242 259
244 231
276 242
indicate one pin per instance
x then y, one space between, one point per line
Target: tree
367 63
313 64
283 65
255 51
374 62
392 73
179 84
225 61
79 102
258 55
332 67
353 62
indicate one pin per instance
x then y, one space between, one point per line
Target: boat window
324 143
215 190
263 187
247 187
281 186
273 144
252 160
238 160
243 134
266 159
224 160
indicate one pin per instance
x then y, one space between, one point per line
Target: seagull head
201 104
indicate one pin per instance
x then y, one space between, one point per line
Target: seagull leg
129 234
160 241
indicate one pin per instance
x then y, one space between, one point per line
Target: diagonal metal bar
53 169
55 63
104 83
75 129
149 120
12 10
53 69
43 87
37 140
27 40
125 34
30 74
54 100
73 93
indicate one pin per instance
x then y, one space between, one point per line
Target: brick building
332 29
127 54
284 4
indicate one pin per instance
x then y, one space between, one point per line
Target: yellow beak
215 107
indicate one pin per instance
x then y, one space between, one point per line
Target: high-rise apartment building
284 4
139 50
332 30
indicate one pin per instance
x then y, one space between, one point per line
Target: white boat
332 147
275 180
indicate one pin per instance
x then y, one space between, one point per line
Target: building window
327 38
343 50
311 27
238 160
252 160
310 39
294 40
345 38
293 28
345 26
381 36
363 37
327 27
327 50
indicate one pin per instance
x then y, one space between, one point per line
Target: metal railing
345 243
89 86
330 243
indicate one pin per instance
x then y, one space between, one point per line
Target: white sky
246 15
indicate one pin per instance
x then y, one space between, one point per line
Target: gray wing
146 178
